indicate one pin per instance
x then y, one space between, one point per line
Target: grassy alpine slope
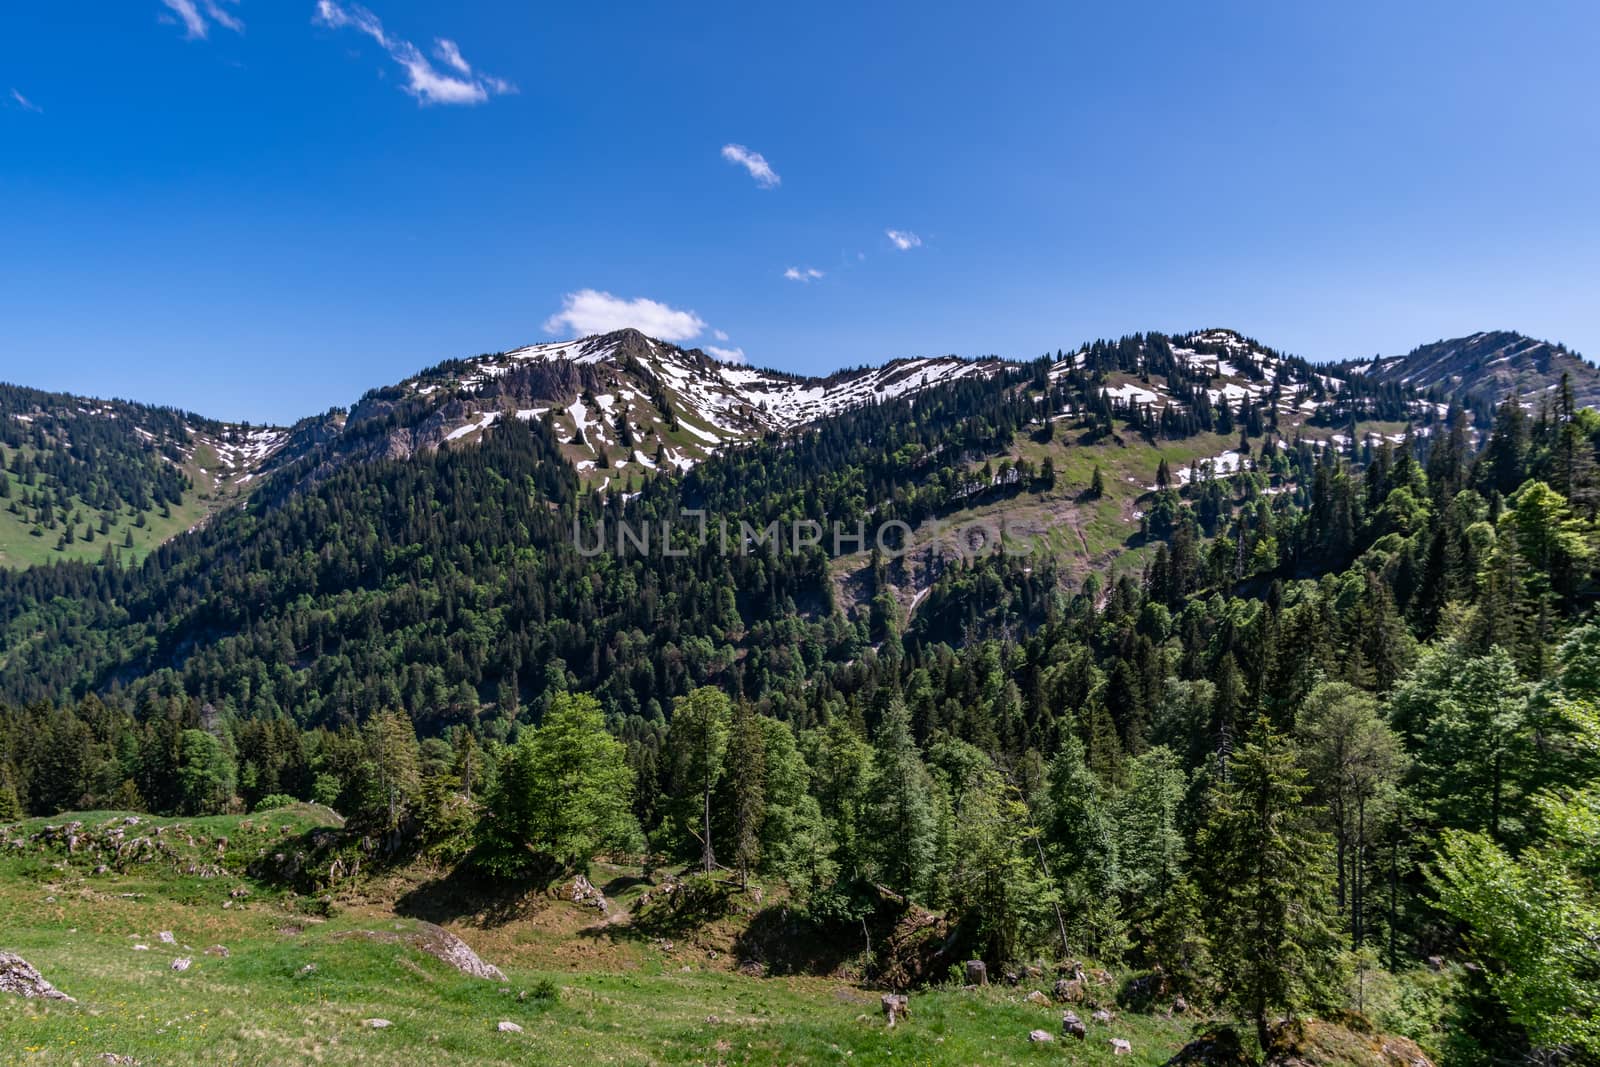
298 986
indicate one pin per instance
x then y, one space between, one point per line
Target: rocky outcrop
439 943
19 978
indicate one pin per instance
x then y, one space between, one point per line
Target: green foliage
1467 721
205 773
563 791
389 775
1267 873
898 818
1535 917
700 745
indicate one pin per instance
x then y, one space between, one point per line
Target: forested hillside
1276 687
101 480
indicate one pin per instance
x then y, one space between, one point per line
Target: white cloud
29 105
194 16
222 17
446 50
590 311
802 274
728 355
719 335
754 162
423 80
904 240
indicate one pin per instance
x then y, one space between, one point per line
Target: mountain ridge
1488 366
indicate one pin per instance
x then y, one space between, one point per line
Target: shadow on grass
472 895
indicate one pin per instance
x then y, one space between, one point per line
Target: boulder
218 950
1101 1016
1121 1047
507 1027
18 976
1038 998
439 943
117 1060
166 938
377 1024
1041 1035
895 1006
182 963
1179 1006
977 973
582 891
1068 991
1073 1026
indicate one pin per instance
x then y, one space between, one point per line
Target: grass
639 1003
19 547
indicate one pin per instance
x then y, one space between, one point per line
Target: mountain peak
1489 366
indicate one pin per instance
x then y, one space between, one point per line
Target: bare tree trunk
707 855
1061 924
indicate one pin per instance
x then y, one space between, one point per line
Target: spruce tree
1267 872
900 814
747 774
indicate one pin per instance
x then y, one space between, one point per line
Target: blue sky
260 208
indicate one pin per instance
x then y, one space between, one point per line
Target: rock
18 976
310 968
581 891
117 1060
377 1024
1121 1047
1068 991
218 950
182 963
166 938
977 973
1436 963
141 948
1101 1016
442 945
507 1027
1012 977
1038 998
1179 1006
1073 1026
895 1006
1041 1035
102 869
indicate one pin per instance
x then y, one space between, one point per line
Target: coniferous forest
1333 746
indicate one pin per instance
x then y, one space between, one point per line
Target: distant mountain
88 475
619 402
1488 367
81 477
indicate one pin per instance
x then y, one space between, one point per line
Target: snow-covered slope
1489 366
625 402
